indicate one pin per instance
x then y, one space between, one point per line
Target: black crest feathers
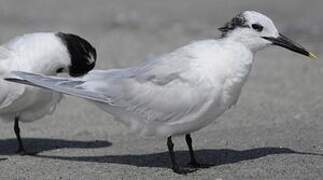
238 21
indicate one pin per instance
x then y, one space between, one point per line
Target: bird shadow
161 160
37 145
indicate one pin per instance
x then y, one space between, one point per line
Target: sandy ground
275 132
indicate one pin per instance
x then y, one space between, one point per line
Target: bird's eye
257 27
59 70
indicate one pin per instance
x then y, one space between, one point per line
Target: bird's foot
195 164
183 171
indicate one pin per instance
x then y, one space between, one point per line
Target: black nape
238 21
82 53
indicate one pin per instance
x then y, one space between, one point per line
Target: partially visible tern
180 92
45 53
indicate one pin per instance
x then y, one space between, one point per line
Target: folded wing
62 85
165 90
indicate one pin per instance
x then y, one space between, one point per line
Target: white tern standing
180 92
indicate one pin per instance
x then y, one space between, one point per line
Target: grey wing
62 85
165 99
163 90
153 99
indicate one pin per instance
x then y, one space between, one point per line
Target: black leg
170 146
193 162
190 148
175 166
21 149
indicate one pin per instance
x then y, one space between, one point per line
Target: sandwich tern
46 53
180 92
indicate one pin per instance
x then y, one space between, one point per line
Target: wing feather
160 90
62 85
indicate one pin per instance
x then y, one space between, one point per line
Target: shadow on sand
37 145
214 157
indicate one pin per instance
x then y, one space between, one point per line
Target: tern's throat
253 43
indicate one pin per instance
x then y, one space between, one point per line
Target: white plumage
36 53
180 92
175 94
45 53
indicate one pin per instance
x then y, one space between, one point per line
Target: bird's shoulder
176 64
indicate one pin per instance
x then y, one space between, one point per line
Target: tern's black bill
285 42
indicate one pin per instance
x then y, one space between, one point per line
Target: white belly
208 114
32 105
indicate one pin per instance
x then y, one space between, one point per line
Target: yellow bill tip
313 56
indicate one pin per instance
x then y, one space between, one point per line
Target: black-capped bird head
81 52
257 31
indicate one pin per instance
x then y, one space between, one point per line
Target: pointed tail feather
67 86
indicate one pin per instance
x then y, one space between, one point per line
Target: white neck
252 43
